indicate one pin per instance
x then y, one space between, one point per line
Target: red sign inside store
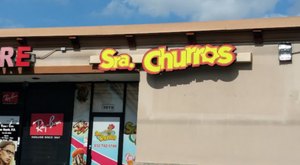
10 97
47 124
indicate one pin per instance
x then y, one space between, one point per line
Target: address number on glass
108 107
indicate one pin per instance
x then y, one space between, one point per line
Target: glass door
105 140
109 142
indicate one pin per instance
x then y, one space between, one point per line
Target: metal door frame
120 115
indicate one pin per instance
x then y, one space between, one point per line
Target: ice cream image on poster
105 140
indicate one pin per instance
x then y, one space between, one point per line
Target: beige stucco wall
245 114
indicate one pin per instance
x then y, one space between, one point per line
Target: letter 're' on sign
7 56
161 59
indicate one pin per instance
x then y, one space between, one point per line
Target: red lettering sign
22 55
7 55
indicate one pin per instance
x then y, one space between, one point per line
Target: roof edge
244 24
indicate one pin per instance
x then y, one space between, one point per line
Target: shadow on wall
200 74
16 70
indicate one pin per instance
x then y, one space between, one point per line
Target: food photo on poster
80 125
79 142
78 156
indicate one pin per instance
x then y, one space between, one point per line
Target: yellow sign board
162 59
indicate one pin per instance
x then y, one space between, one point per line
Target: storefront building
210 93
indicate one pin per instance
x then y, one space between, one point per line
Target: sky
63 13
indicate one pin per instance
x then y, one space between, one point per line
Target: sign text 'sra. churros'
161 59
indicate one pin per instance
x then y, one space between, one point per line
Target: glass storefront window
9 136
80 125
129 144
108 97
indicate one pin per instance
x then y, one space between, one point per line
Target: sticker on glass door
105 141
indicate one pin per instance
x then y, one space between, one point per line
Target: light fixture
32 58
285 51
